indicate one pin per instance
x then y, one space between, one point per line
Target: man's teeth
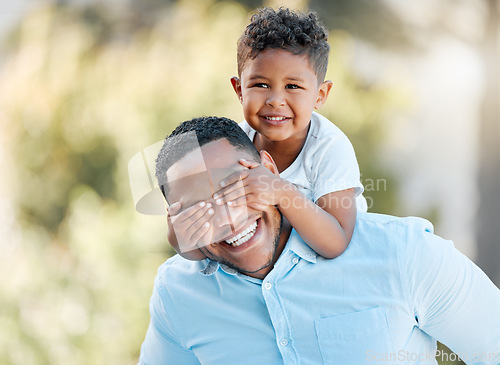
243 236
275 118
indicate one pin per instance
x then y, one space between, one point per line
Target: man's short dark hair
207 129
293 31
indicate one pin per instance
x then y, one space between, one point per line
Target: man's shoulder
177 270
390 241
398 231
378 219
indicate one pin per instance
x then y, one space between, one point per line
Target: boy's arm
326 227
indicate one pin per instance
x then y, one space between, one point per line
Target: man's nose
276 99
225 215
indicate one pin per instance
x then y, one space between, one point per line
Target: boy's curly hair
293 31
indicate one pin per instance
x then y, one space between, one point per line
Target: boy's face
279 91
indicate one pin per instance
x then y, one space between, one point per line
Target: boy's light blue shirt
396 290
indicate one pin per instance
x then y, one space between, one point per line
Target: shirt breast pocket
355 338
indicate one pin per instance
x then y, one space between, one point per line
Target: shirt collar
297 245
212 266
294 244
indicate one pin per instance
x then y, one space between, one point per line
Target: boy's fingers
231 179
198 220
249 164
233 195
207 238
258 206
238 201
188 228
170 224
197 209
201 232
223 193
174 208
196 216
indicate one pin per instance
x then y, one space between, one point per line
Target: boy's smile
279 91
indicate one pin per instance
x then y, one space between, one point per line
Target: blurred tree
372 21
488 220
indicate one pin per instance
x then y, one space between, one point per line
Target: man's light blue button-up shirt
396 290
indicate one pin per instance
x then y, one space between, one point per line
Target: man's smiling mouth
243 236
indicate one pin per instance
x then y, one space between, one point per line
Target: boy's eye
261 84
292 86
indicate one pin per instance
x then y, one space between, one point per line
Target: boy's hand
189 227
256 187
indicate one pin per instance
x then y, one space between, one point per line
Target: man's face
195 178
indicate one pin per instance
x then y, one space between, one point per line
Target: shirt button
295 260
267 286
284 342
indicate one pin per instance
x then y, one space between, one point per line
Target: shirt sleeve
453 300
161 345
336 167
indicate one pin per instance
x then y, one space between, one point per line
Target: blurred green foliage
82 91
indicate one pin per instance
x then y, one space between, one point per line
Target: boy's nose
276 99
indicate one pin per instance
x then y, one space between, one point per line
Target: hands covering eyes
255 187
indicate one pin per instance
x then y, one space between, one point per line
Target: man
395 291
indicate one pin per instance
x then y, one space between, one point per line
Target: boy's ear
236 86
323 91
268 162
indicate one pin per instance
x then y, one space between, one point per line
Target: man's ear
236 82
268 162
323 91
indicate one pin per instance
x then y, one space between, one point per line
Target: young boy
282 62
